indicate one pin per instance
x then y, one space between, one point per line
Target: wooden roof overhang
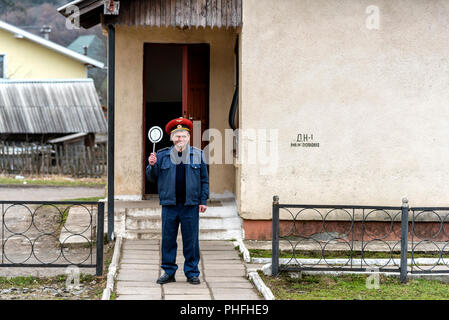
160 13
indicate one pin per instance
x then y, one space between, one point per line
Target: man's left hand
203 208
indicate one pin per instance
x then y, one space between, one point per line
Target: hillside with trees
32 15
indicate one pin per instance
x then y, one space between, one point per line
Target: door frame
185 79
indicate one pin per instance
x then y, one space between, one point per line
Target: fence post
100 236
404 240
275 237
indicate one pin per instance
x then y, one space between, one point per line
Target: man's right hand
152 159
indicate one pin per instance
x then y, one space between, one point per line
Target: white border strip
266 269
355 262
260 285
243 250
253 275
112 270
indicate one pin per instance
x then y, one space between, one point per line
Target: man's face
180 139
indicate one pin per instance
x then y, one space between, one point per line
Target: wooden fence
77 161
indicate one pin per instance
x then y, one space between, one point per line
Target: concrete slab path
223 274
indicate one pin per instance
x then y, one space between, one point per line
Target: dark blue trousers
188 216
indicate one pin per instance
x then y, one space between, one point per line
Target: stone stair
220 221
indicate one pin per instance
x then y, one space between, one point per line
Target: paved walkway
223 274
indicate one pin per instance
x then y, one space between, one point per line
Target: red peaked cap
179 124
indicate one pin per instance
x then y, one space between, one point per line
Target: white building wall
376 101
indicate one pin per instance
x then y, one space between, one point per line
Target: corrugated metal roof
50 106
162 13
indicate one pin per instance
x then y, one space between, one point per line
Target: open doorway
176 83
162 93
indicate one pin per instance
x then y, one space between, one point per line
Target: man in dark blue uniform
183 187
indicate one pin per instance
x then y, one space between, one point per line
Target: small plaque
305 140
111 7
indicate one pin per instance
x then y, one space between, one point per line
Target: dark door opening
176 83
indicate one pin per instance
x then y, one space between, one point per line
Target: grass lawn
353 287
54 180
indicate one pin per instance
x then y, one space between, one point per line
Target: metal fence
36 234
360 238
77 161
429 233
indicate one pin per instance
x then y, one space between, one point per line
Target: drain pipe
235 98
111 104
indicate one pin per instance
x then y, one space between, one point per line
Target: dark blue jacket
164 172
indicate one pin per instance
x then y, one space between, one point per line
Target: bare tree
6 5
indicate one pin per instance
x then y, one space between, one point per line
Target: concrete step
143 234
205 223
142 220
143 212
205 234
149 213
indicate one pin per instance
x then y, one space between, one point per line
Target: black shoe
165 278
194 280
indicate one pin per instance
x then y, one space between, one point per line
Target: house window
2 66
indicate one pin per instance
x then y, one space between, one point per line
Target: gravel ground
89 287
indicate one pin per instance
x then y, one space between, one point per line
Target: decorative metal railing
429 234
360 238
36 234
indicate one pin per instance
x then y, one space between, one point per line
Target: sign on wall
111 7
305 140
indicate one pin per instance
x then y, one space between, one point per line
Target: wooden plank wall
179 13
30 159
